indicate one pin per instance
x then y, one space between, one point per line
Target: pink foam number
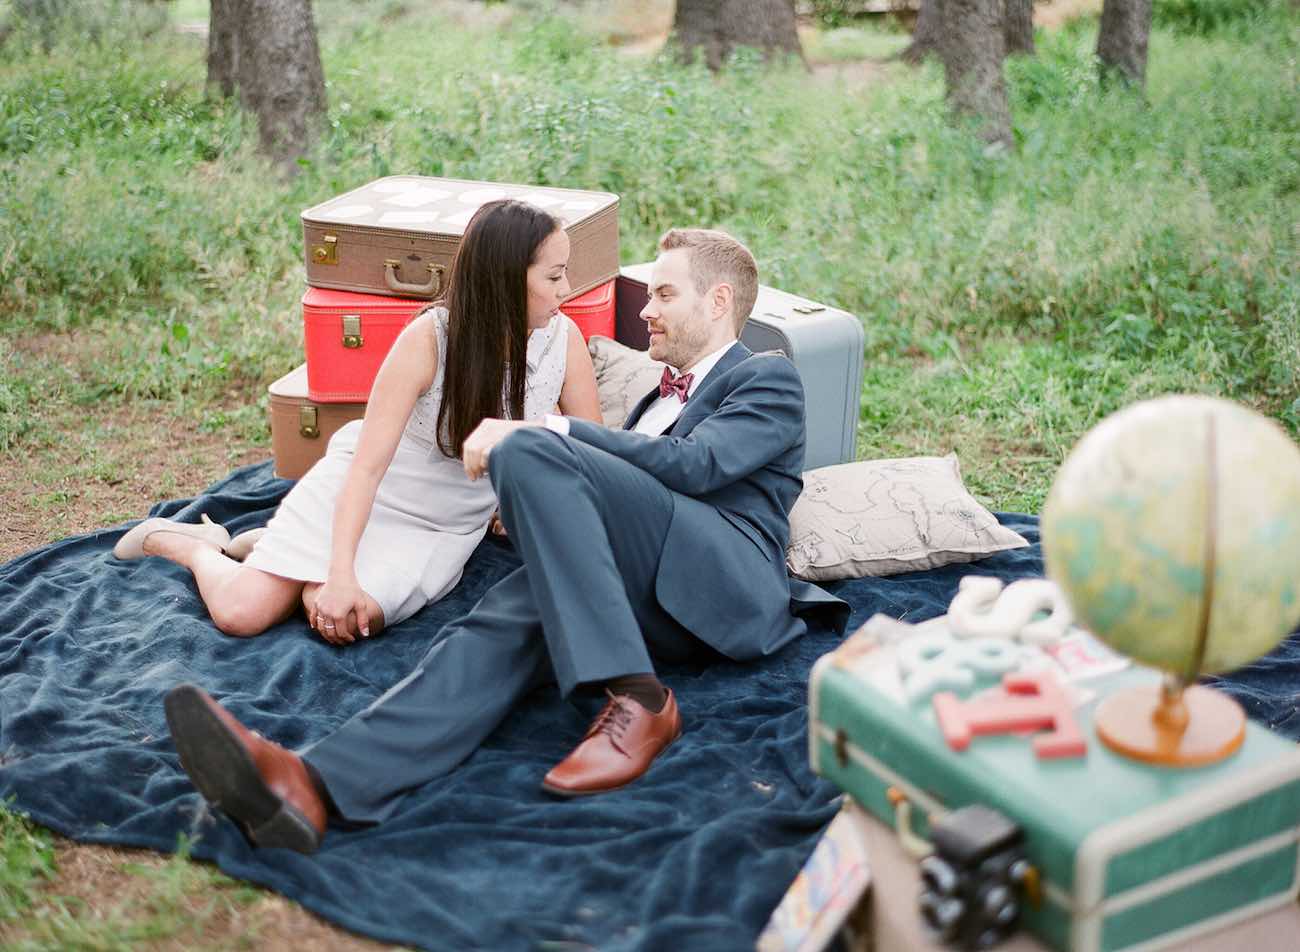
1032 700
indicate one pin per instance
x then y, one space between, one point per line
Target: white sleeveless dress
428 515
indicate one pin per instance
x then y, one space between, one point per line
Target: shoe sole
224 773
568 794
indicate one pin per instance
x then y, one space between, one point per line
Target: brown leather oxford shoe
620 745
264 788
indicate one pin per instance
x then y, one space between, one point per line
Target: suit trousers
590 528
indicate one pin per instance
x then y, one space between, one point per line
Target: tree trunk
972 48
279 76
223 47
713 28
1018 27
1122 41
925 35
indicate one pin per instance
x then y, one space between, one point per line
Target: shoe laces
613 720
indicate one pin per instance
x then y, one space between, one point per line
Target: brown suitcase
301 429
397 235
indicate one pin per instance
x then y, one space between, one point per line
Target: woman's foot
241 546
131 545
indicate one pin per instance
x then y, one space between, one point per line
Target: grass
150 263
154 903
175 900
26 859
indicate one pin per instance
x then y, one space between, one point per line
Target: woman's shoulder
570 326
428 325
431 316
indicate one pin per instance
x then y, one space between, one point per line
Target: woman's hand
478 445
339 613
496 526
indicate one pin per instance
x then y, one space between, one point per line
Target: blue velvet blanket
694 856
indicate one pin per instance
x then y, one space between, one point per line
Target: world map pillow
623 376
885 517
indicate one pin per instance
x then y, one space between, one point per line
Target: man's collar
706 363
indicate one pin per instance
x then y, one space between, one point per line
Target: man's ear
722 299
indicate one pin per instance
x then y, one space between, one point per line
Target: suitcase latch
327 252
807 308
352 338
307 427
841 747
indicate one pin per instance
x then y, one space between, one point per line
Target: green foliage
1126 246
183 898
26 858
1208 16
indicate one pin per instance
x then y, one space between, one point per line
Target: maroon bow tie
679 385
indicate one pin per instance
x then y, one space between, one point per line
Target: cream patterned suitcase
397 235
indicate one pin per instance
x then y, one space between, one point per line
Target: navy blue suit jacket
734 459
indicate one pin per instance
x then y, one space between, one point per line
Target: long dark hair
487 324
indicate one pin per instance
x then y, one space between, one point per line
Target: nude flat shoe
131 545
242 545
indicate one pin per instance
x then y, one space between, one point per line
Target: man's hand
478 445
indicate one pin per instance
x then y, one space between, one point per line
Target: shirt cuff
557 424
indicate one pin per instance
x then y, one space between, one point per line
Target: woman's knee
241 621
252 604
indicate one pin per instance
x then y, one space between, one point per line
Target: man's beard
688 345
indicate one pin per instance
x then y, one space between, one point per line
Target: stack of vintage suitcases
377 255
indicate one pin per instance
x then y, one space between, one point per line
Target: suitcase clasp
807 308
327 252
352 338
307 427
841 748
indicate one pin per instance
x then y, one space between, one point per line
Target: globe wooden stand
1171 725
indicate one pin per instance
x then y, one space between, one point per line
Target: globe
1173 528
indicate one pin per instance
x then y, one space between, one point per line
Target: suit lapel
639 409
701 402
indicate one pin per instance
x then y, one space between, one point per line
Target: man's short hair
716 258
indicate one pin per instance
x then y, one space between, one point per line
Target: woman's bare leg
243 601
311 589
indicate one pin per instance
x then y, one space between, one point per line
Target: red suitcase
347 336
593 312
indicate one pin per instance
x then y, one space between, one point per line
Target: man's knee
523 454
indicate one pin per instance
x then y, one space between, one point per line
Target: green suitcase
1125 856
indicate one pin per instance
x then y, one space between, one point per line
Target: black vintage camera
971 884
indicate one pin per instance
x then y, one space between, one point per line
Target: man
665 540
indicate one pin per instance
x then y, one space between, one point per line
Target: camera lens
942 915
938 875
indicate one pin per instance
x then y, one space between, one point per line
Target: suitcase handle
428 289
914 845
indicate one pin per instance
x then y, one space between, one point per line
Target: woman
405 517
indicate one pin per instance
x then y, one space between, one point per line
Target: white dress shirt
662 411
